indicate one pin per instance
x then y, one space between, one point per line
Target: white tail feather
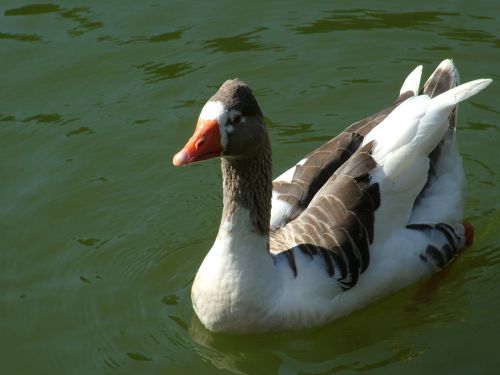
412 82
420 122
434 123
403 142
462 92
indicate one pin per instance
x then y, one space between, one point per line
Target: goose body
375 209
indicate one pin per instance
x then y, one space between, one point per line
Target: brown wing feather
338 223
334 201
320 164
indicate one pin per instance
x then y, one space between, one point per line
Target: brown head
230 125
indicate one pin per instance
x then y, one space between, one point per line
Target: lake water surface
101 236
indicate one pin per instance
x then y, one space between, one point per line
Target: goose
375 209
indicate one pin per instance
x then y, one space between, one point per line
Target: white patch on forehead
212 110
215 110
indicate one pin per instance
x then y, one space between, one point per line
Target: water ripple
240 43
367 19
473 36
33 10
101 239
80 130
7 118
157 38
21 37
79 15
484 107
42 118
296 133
156 72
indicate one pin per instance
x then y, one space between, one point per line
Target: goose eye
236 119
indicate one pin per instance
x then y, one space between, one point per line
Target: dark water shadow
22 37
156 72
297 133
7 118
484 107
32 10
366 19
439 48
157 38
240 43
80 131
472 36
196 104
82 16
49 118
283 130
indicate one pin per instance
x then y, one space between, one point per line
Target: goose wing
338 223
294 189
391 166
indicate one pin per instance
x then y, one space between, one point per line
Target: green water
101 236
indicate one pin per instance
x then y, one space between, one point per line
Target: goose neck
247 183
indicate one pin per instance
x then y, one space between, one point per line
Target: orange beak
204 144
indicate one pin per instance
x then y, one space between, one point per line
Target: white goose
375 209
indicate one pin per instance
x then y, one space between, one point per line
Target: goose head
230 125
